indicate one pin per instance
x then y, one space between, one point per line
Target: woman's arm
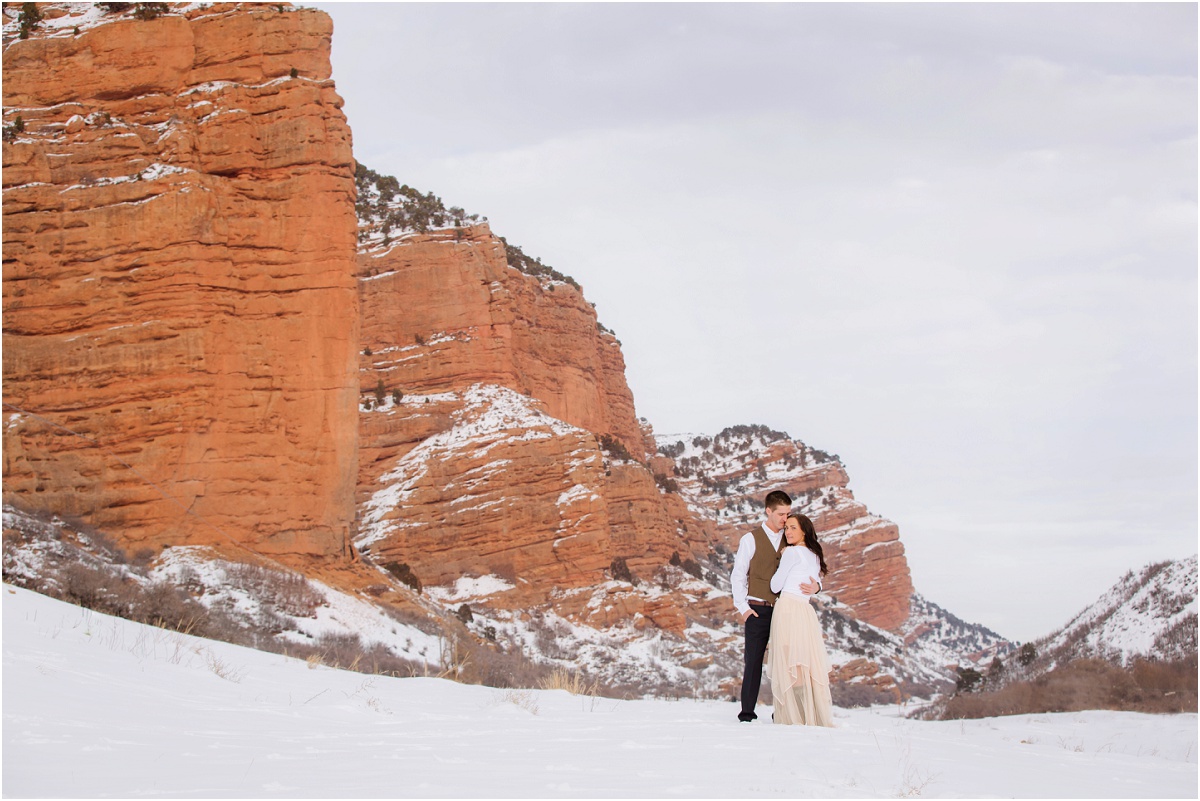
786 563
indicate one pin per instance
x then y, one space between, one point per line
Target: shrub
164 605
968 681
384 203
91 588
858 694
620 570
1145 686
147 11
615 448
288 593
666 483
674 451
28 19
533 266
404 573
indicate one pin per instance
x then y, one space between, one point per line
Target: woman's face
793 532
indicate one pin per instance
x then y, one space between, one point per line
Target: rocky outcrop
444 311
180 304
726 477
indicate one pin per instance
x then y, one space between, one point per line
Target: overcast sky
954 244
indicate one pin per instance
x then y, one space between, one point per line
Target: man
755 563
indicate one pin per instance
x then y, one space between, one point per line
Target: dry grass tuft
574 683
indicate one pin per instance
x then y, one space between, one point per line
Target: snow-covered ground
97 706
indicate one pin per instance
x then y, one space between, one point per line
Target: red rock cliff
514 447
180 306
726 479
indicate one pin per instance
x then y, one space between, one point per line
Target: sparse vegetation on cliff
387 208
14 129
533 266
615 448
386 205
142 11
29 18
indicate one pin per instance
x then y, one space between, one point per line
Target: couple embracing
777 569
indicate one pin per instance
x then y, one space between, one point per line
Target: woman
798 664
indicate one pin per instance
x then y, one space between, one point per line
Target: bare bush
289 593
166 606
1144 686
856 694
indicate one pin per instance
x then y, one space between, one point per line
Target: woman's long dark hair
810 538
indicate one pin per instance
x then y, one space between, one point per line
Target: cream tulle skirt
798 664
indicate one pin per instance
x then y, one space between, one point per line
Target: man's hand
810 587
748 615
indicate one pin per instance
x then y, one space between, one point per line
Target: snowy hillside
276 610
1148 613
99 706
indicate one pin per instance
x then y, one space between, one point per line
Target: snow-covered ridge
725 476
1148 613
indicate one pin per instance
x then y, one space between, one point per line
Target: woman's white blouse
796 566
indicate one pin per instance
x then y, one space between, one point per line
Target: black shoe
747 717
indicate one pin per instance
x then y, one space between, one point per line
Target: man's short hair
778 498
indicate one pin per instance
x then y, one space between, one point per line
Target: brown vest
763 565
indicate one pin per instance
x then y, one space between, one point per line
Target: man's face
777 516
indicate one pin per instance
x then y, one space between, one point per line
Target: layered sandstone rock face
727 477
444 311
180 304
498 433
499 437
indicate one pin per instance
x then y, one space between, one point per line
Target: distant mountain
942 638
1150 613
1134 649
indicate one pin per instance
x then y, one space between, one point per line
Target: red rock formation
188 339
726 478
493 461
444 311
179 288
